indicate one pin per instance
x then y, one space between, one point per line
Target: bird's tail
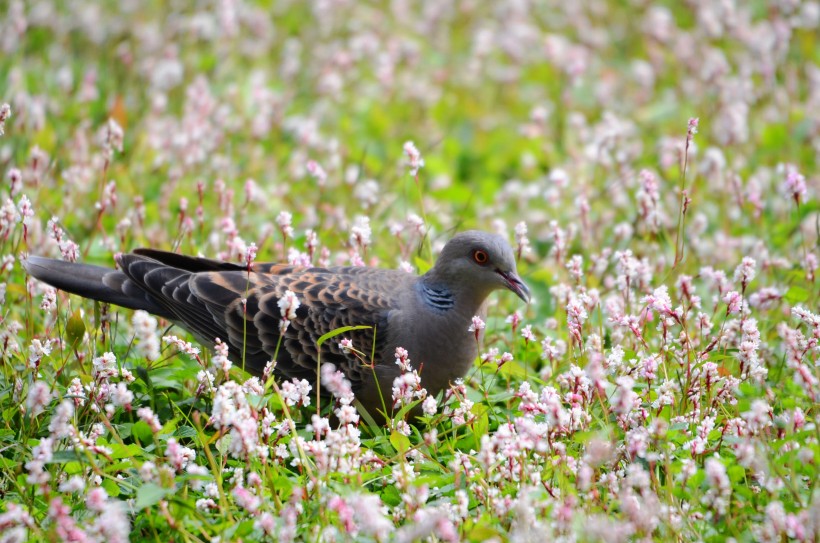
95 282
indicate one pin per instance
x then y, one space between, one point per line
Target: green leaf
142 432
150 494
400 442
186 431
481 425
796 295
337 331
61 457
111 487
75 328
422 264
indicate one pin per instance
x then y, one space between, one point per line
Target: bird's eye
480 257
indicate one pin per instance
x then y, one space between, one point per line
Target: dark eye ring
480 257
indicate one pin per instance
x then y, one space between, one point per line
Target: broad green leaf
400 442
75 328
150 494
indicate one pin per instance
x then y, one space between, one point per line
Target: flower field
652 164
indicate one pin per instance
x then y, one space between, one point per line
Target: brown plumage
428 315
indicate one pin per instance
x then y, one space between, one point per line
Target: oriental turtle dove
428 315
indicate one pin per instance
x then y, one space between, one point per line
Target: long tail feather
95 282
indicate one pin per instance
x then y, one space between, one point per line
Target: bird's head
480 260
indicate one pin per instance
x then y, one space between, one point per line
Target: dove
429 315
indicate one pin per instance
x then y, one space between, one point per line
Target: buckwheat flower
416 224
476 326
623 401
146 414
96 498
183 346
406 388
298 258
119 395
145 328
659 300
552 349
810 265
60 425
758 417
296 392
371 516
794 184
745 271
26 211
733 301
284 220
649 367
521 239
360 233
250 255
246 500
429 406
39 396
576 316
49 299
367 192
316 172
5 114
406 267
809 318
15 181
288 304
112 525
346 345
721 486
104 367
73 484
9 218
489 356
220 359
513 320
114 137
311 243
37 351
575 267
205 504
177 455
41 455
414 160
691 130
528 334
504 358
403 359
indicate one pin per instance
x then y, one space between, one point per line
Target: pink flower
414 160
745 271
288 304
296 392
317 172
147 415
733 301
402 359
5 114
691 130
476 326
794 184
284 220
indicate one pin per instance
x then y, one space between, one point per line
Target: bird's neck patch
439 298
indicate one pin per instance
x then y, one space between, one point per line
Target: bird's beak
515 284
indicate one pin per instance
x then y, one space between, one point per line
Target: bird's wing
241 308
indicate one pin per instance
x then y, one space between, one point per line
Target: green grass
576 443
